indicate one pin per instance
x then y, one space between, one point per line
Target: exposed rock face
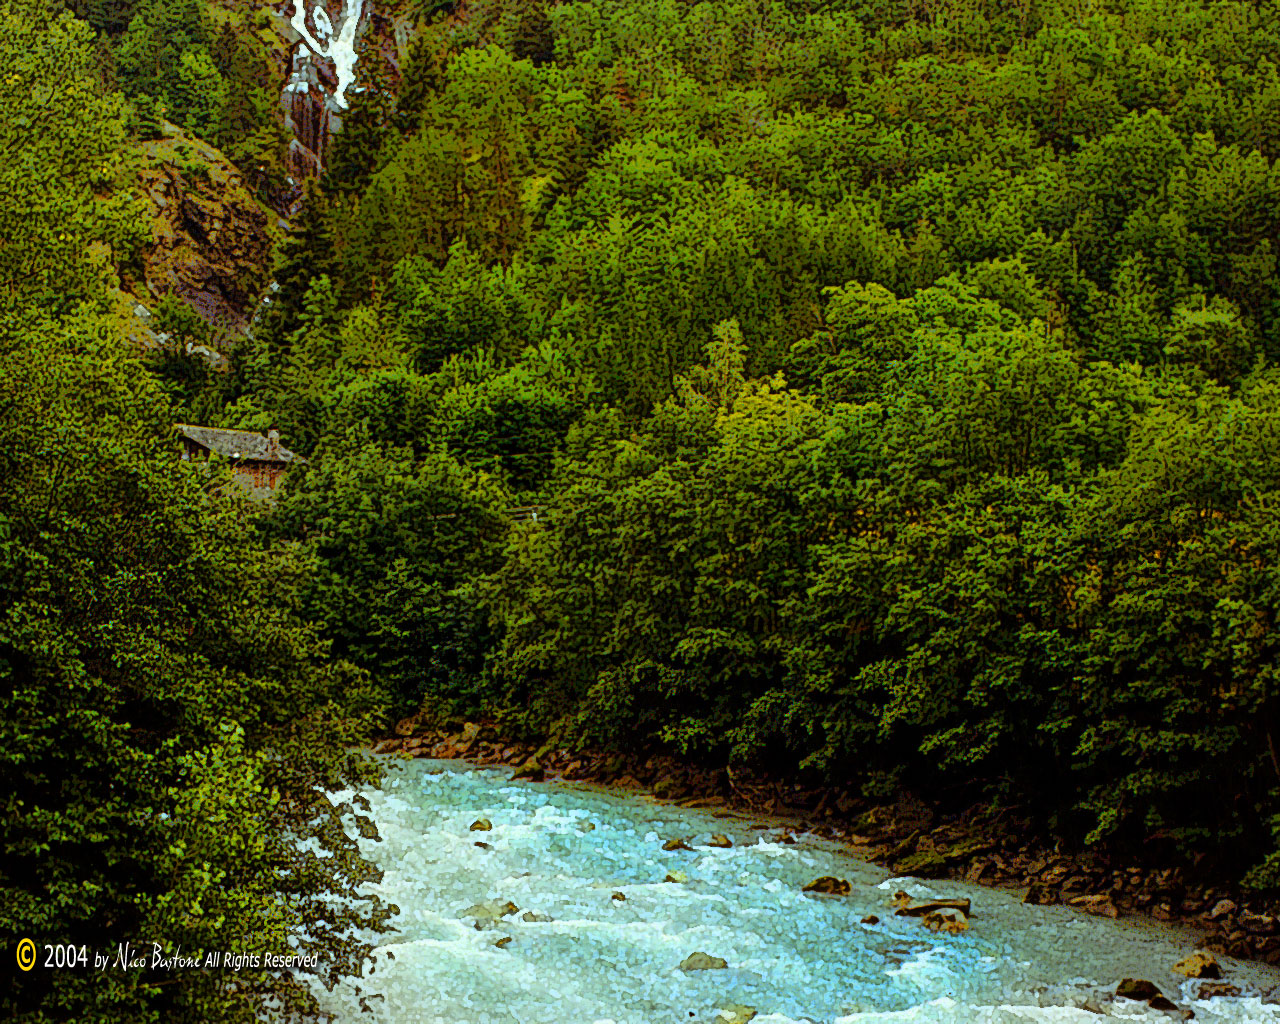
212 244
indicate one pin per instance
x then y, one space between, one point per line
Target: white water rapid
577 954
327 44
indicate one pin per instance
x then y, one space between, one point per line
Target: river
562 852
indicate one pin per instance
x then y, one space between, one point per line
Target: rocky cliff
212 239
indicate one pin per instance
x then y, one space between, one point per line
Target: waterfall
322 72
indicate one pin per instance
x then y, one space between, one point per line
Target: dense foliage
900 379
168 721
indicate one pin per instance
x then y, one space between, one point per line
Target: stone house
257 462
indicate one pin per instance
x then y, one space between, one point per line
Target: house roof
239 444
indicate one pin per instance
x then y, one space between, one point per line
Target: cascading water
323 71
555 911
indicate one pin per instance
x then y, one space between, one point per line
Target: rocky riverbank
909 837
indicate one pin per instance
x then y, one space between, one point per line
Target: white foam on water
796 959
340 47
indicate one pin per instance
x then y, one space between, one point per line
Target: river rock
1162 1003
1040 895
906 907
1099 905
489 912
618 896
828 886
1218 990
467 738
482 845
951 923
586 826
533 917
703 962
871 919
503 942
1198 965
531 771
481 825
675 844
1137 988
676 876
1221 909
734 1014
1257 924
720 842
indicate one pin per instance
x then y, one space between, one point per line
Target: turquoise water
559 853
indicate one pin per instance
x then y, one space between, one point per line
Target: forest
899 380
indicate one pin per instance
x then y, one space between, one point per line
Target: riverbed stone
489 912
952 922
674 844
481 825
1217 990
530 771
828 885
1198 965
703 962
1099 905
735 1014
907 907
1137 988
719 841
1041 895
676 876
1257 924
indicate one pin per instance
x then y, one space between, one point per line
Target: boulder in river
720 842
533 917
481 825
1100 905
483 846
618 897
1198 965
530 771
871 919
676 876
703 962
828 885
503 942
1137 988
1161 1003
907 907
734 1014
489 913
951 922
1040 895
675 844
1218 990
